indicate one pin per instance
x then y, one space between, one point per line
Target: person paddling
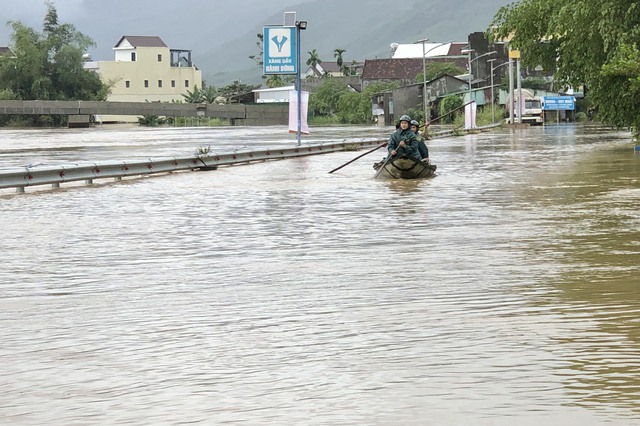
403 141
422 146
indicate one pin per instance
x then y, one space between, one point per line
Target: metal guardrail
23 177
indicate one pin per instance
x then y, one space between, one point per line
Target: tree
355 108
259 58
49 65
325 100
314 59
197 96
448 104
585 42
236 91
436 69
337 53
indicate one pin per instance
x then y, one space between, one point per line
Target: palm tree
337 53
314 59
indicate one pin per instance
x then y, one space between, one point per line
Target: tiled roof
4 49
391 69
143 41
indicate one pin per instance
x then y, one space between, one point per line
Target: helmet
415 123
405 118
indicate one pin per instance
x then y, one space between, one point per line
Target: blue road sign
279 50
559 103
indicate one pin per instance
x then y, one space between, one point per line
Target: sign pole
298 82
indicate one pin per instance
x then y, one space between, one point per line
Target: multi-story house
145 69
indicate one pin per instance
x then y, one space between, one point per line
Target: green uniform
422 146
411 143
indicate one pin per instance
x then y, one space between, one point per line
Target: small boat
404 168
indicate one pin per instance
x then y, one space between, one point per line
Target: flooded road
503 291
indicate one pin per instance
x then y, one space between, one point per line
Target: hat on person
405 118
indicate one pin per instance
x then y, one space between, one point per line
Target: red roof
391 69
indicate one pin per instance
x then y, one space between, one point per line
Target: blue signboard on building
279 50
559 103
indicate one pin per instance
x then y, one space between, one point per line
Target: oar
389 157
445 114
359 156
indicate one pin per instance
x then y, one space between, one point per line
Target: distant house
403 71
145 69
271 95
389 105
332 69
431 50
4 50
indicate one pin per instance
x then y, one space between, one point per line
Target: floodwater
503 291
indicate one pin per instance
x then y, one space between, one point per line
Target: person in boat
403 141
422 146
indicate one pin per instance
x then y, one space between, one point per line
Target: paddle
445 114
381 145
389 157
359 156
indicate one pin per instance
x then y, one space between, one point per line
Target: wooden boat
404 168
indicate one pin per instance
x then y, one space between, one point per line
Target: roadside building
331 69
272 95
146 69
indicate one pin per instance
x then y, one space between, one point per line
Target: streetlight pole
300 25
425 98
493 69
424 80
468 52
493 112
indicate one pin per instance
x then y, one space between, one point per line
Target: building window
186 83
133 56
146 83
159 57
173 83
127 84
159 83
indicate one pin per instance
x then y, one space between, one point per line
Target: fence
21 178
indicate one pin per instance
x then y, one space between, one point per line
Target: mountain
222 34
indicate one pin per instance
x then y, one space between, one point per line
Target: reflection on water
502 291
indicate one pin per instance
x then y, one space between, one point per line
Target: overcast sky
31 13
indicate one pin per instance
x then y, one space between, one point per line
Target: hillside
365 32
222 34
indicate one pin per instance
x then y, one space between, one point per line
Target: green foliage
235 90
49 65
355 108
337 53
586 42
151 120
325 100
276 80
449 103
436 69
416 114
207 94
535 83
581 116
314 58
258 59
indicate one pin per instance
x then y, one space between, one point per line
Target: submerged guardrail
23 177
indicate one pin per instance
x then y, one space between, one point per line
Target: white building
274 94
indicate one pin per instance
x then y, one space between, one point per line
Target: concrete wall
237 114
